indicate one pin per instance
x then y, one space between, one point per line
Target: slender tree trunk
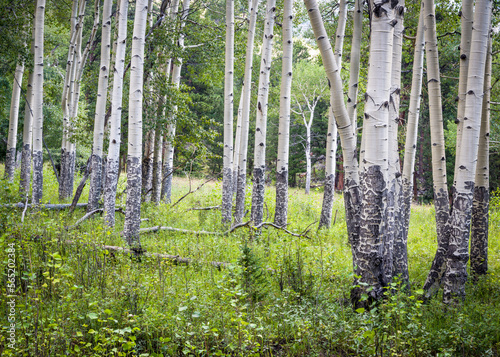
457 254
281 211
10 159
352 98
38 104
395 238
259 170
466 19
157 166
113 158
134 168
441 202
25 180
176 81
374 257
100 113
308 156
237 140
245 119
227 182
331 137
480 204
147 165
412 126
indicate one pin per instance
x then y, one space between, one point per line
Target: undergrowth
278 295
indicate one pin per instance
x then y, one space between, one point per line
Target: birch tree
38 103
245 118
112 161
100 113
457 254
10 159
352 97
259 170
227 182
281 210
134 155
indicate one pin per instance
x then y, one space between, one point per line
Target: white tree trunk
281 211
134 151
38 104
259 170
113 158
374 258
441 202
457 254
480 205
176 81
147 164
237 140
227 182
331 137
10 159
100 112
245 118
352 97
412 125
25 179
308 156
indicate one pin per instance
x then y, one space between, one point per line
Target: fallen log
164 228
43 206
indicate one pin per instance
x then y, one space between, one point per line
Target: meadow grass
279 295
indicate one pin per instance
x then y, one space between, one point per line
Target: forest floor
277 294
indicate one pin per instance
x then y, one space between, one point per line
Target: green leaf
360 310
92 315
182 308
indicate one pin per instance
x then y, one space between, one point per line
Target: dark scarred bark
479 232
166 188
328 199
258 195
147 178
24 185
240 198
227 195
95 183
157 167
37 177
67 175
133 203
112 173
457 254
10 163
281 211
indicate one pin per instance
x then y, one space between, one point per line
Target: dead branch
90 214
187 231
79 190
48 206
203 208
196 189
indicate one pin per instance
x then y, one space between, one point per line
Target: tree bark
259 170
227 181
281 210
480 204
10 159
100 113
134 175
37 193
245 119
113 158
352 97
147 166
457 254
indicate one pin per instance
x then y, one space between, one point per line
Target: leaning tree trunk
176 81
113 158
281 211
412 126
352 97
245 119
259 170
134 168
480 205
466 20
331 137
374 255
395 239
441 203
38 104
10 159
457 254
347 137
100 111
227 181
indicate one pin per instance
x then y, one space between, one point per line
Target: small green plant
252 275
294 276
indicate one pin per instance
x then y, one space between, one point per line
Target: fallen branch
43 206
164 228
203 208
196 189
79 190
88 215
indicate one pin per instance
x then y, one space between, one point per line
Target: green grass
285 296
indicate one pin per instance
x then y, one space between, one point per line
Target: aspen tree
281 211
259 170
352 97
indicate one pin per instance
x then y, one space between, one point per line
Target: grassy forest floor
279 295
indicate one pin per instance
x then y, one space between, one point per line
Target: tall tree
112 162
38 103
227 182
134 156
259 170
100 112
281 211
457 254
10 159
352 97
